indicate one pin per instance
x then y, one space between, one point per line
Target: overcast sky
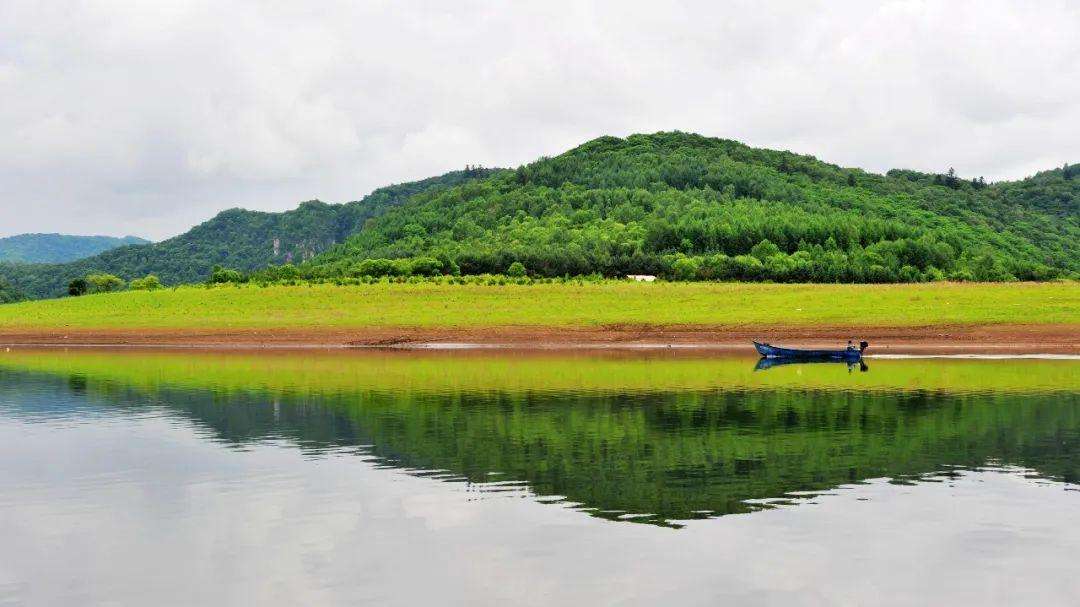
146 118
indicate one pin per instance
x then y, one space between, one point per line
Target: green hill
56 248
678 205
686 206
245 240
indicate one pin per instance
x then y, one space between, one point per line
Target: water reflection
660 456
388 479
766 363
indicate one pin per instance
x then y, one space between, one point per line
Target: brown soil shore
966 339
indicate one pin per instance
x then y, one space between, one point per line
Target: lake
176 477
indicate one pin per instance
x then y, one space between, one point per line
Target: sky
121 117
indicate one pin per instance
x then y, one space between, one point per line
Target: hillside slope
236 238
58 248
688 206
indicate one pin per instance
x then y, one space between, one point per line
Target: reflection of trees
673 455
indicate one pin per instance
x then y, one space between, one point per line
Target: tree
104 283
950 178
149 282
988 268
78 287
7 293
764 250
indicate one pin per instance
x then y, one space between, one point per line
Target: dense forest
684 206
240 239
58 248
7 293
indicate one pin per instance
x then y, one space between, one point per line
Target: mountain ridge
53 247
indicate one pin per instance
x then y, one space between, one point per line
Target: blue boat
850 353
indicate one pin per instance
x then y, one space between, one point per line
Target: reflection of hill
675 454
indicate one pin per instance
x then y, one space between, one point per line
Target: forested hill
245 240
53 248
686 206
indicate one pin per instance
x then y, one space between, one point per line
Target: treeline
688 207
108 283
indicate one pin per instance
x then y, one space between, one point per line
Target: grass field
430 305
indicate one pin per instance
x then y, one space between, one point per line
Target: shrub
288 272
764 250
748 267
374 268
147 283
425 266
220 275
910 274
516 270
934 275
685 268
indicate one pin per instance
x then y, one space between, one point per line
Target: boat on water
850 353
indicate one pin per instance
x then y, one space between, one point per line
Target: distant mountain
237 238
682 205
57 248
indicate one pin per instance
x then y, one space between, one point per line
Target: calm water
184 478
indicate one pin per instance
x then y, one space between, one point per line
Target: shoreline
937 339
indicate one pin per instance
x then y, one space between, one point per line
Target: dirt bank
1056 339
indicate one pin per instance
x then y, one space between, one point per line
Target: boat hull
769 351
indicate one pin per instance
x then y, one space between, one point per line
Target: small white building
641 277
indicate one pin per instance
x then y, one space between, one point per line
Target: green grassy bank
435 305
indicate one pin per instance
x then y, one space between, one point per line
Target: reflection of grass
324 372
435 305
672 436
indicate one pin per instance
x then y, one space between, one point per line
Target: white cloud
121 117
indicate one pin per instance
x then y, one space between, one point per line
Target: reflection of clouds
140 509
155 118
